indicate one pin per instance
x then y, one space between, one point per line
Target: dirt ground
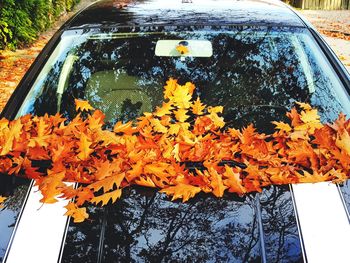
334 25
13 65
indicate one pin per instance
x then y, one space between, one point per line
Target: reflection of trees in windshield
262 68
280 230
145 226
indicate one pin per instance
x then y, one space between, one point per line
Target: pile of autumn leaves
154 150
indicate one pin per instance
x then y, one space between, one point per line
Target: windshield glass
255 73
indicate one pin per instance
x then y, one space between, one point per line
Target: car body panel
196 12
105 14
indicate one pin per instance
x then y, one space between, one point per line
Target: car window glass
255 74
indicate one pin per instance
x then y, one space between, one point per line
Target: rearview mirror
196 48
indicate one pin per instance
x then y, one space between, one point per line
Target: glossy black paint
128 17
15 189
198 12
344 191
145 226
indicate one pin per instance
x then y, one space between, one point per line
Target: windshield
255 73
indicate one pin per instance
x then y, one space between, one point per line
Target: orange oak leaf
10 133
84 147
84 195
82 105
105 198
2 200
145 182
183 191
217 183
78 213
42 135
108 183
198 107
126 128
233 181
306 177
50 186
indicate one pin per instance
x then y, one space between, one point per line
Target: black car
254 57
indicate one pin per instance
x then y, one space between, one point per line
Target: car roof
108 13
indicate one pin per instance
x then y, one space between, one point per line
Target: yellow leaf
180 115
181 97
105 198
174 128
181 190
191 87
282 126
42 135
164 110
343 141
310 116
82 105
198 107
218 121
169 88
182 49
2 199
217 109
158 127
175 153
304 106
3 124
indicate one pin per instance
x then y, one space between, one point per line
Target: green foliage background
22 20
